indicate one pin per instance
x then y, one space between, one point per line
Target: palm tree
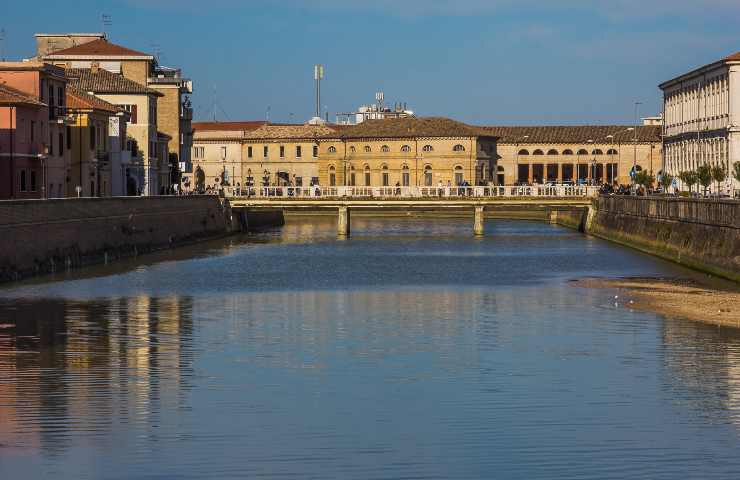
704 175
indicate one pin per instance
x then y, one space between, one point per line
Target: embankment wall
698 233
40 236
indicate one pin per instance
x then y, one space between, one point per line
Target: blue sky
500 62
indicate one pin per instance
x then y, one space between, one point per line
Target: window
51 143
538 152
367 176
428 176
385 176
385 149
22 181
611 151
332 177
198 152
298 152
352 178
582 152
223 153
458 148
597 152
33 180
552 152
368 149
406 149
61 143
567 151
265 151
69 138
427 148
92 133
132 110
33 130
405 176
60 96
523 152
459 176
249 152
332 149
51 97
315 151
282 151
352 149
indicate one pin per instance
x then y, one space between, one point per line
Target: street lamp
619 146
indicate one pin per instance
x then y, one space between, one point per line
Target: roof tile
100 47
573 134
104 81
11 96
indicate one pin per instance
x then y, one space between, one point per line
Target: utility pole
105 21
2 44
318 74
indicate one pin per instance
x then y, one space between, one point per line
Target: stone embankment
698 233
44 236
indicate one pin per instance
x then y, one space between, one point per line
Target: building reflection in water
85 366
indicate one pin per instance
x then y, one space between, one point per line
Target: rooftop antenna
2 44
105 21
267 114
214 102
379 97
318 74
157 49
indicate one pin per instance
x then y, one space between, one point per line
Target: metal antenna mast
2 44
105 21
318 74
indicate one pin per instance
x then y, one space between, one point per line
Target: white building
702 118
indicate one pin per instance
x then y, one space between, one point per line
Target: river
410 350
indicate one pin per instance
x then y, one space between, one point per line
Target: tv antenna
157 49
2 44
105 21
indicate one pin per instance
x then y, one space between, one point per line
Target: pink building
34 155
22 168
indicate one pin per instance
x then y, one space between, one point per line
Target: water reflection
87 367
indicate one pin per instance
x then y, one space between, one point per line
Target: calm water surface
412 350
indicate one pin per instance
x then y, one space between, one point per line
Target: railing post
343 222
478 221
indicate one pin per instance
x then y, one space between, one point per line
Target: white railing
392 193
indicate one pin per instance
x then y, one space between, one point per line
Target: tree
666 180
644 178
688 177
719 174
704 175
736 171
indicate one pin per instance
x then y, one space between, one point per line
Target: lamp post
634 158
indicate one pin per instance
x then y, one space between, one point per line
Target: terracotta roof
286 131
573 134
735 57
104 81
82 100
409 127
11 96
227 126
101 48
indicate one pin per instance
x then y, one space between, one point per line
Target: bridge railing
391 193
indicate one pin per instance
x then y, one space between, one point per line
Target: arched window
385 176
459 175
352 149
406 149
428 176
612 151
582 152
352 176
597 151
428 148
500 169
405 175
385 149
458 148
368 149
552 151
567 151
332 176
332 149
367 175
523 151
538 152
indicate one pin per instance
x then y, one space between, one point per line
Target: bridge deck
443 203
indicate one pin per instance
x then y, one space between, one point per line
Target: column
478 221
343 222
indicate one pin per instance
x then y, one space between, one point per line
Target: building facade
174 111
140 102
38 157
407 152
702 118
578 154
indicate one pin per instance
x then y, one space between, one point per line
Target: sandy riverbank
687 298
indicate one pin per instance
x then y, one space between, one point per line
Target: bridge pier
478 221
552 216
343 222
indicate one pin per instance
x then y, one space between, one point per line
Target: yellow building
590 153
90 167
407 152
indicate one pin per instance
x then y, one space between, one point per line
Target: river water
411 350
